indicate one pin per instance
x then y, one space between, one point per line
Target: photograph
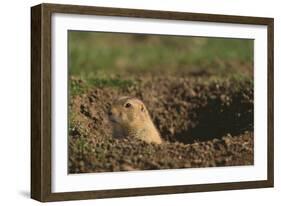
153 101
131 102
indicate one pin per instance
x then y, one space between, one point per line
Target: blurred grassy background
201 92
97 57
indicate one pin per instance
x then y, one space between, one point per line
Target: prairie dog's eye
127 105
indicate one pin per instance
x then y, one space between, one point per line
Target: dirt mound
104 155
203 123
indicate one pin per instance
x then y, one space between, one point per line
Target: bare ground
204 124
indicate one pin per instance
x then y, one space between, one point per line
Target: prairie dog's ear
143 109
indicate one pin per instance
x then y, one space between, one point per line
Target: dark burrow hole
214 119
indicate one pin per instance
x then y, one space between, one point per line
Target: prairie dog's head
128 111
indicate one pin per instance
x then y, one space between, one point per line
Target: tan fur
129 117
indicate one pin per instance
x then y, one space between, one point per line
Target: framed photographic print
132 102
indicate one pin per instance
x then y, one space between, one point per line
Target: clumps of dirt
204 124
104 155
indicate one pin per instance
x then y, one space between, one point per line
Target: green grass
110 82
93 54
78 87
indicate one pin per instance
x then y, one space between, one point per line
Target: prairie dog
129 117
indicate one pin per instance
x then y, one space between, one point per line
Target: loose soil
203 124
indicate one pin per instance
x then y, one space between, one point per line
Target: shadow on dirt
216 119
206 112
